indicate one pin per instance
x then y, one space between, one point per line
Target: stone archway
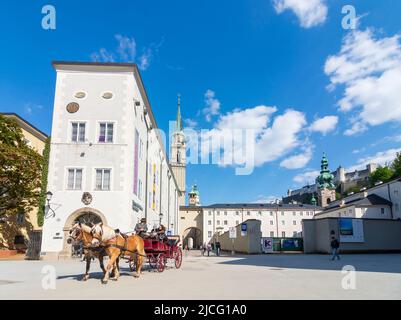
85 215
195 234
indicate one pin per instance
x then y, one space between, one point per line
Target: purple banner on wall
136 159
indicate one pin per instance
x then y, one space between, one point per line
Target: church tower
325 184
194 199
178 155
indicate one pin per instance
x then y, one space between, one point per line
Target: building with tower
178 155
108 162
193 197
325 184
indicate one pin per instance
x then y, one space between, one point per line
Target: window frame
110 182
66 179
98 130
70 131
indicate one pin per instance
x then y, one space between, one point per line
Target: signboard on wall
267 245
351 230
233 233
244 229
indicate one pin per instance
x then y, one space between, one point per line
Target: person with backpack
335 245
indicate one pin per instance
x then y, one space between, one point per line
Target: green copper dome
194 190
325 180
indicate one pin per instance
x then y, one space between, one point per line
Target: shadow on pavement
388 263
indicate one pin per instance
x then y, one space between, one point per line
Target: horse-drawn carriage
159 253
101 241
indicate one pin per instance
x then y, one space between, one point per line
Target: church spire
179 119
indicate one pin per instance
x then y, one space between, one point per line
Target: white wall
116 204
273 222
367 212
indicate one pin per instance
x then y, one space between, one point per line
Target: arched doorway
85 215
192 236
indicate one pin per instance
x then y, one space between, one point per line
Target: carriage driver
141 228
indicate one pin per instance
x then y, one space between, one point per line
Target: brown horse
116 245
81 232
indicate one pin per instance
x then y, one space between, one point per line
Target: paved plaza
278 276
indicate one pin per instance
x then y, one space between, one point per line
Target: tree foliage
20 170
383 174
396 166
45 169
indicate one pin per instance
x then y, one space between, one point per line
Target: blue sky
274 65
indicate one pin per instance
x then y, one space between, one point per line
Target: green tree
43 189
381 174
396 166
20 170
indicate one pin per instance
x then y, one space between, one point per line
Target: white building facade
277 220
382 201
107 160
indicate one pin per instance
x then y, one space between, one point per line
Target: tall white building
178 155
107 161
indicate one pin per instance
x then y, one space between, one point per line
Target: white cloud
380 158
126 51
212 107
300 160
30 108
306 177
309 12
324 125
126 48
369 68
270 141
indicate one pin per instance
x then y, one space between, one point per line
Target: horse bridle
74 234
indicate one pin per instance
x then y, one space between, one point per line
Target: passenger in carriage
141 228
160 233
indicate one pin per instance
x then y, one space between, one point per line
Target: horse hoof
114 279
104 282
85 278
136 275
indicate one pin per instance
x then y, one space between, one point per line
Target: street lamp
49 196
160 218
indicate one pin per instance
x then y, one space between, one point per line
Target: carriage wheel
161 262
178 258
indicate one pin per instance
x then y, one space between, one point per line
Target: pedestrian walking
335 245
209 248
218 248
